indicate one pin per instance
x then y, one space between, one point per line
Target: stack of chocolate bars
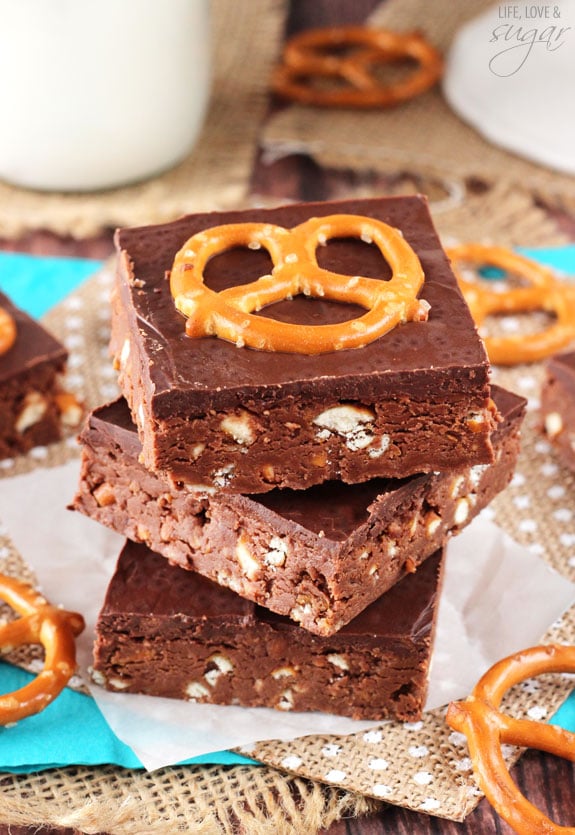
286 513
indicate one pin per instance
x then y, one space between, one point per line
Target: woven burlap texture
307 783
422 135
217 172
203 800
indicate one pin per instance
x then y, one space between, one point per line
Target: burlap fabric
310 782
215 175
422 136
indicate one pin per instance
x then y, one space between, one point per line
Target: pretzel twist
543 292
7 331
43 624
486 728
229 314
349 55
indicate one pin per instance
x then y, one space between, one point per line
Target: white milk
99 93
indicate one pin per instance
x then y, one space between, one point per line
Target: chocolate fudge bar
215 415
318 556
558 406
168 632
33 406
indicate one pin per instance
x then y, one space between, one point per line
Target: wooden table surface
549 782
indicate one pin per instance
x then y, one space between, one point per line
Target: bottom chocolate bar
165 631
558 406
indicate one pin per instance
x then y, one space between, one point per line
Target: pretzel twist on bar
43 624
7 331
229 314
543 292
486 728
349 55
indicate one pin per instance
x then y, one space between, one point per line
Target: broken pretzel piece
486 728
40 623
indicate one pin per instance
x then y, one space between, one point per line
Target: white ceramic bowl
510 74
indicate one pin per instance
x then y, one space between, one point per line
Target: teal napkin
72 731
35 283
561 258
565 716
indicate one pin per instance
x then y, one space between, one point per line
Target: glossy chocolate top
33 344
146 584
413 358
335 508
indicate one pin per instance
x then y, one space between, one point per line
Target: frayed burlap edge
204 800
502 213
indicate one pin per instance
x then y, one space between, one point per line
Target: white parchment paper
497 598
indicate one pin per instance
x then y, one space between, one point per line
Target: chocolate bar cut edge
318 556
167 632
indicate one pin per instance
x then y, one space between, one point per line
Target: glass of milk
100 93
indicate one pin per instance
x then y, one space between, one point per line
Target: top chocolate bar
215 414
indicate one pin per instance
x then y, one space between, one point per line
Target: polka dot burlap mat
422 765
